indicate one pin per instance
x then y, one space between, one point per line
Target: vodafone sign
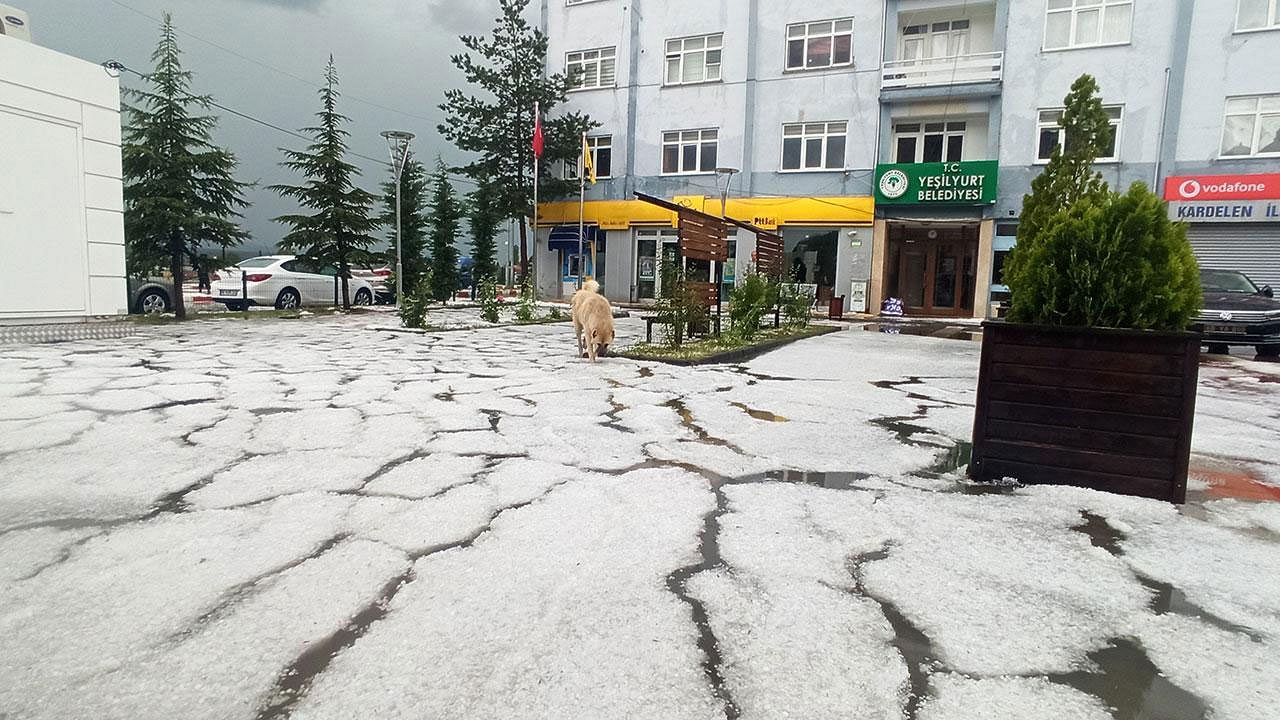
1202 188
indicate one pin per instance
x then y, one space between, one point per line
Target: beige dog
592 320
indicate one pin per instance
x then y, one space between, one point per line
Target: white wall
61 203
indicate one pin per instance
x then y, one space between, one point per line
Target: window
694 59
935 40
601 158
1251 126
1049 134
590 69
1083 23
813 146
689 151
915 142
824 44
1258 15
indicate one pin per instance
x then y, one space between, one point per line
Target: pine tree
339 230
443 223
180 192
484 222
498 125
413 222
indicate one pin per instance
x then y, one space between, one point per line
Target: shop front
572 257
1233 221
933 237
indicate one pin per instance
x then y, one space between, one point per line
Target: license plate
1225 329
229 293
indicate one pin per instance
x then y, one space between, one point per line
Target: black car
1238 312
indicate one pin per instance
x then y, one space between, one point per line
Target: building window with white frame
1087 23
935 40
1258 15
694 59
591 69
821 44
688 152
1251 126
813 146
1049 134
601 147
923 141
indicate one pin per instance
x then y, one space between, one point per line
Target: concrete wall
61 203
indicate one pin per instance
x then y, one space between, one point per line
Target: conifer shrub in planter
1092 380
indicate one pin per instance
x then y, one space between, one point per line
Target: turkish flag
537 134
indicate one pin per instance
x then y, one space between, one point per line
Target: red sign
1193 188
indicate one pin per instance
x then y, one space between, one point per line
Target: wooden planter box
1105 409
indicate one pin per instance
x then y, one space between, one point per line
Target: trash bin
835 310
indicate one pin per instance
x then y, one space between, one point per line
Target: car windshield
1226 281
259 262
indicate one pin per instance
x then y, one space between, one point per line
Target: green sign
949 183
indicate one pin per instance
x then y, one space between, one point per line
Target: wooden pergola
768 257
702 236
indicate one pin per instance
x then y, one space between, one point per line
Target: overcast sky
392 58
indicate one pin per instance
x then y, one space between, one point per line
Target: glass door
946 262
913 276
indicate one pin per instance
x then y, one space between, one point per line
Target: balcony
944 72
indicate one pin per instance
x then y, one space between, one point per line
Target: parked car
150 295
283 282
1238 312
377 279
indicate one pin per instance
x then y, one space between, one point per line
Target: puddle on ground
759 414
1126 681
646 372
934 330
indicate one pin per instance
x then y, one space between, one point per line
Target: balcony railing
943 71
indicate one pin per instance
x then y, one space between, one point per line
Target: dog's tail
591 286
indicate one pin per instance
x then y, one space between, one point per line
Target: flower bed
724 349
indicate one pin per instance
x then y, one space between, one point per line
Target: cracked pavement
321 519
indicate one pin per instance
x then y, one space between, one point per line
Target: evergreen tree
443 223
484 220
497 126
180 192
413 222
338 231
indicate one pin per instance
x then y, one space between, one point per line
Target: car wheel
1268 351
1219 349
288 299
363 297
153 302
235 306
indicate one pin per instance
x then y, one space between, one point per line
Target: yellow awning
765 212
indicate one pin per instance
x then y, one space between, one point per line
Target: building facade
891 142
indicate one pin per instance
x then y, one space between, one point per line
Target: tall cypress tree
497 126
339 230
413 222
484 221
180 192
443 222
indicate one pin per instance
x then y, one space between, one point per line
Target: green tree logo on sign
893 184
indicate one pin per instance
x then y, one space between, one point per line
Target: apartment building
890 142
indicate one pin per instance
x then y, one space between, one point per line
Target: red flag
537 133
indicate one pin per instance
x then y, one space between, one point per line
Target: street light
398 144
728 174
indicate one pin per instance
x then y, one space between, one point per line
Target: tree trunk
346 294
175 269
524 249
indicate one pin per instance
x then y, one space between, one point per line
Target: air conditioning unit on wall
14 23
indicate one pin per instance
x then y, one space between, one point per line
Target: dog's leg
577 330
591 346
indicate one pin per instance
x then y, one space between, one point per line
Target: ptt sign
768 222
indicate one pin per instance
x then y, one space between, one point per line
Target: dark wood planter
1099 408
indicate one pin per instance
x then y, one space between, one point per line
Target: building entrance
932 268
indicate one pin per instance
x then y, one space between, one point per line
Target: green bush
487 294
677 306
795 306
413 306
1107 261
527 307
748 303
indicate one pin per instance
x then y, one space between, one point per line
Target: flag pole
582 201
534 285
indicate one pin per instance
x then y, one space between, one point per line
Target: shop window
935 40
1258 15
1086 23
694 59
822 44
601 158
813 146
997 266
1251 126
591 69
1049 134
687 152
928 142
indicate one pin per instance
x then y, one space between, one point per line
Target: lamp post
398 145
728 174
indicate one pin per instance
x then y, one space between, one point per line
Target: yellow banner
767 213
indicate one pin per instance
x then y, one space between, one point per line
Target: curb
736 355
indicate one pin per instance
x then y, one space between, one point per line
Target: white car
284 282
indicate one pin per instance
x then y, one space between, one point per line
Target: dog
592 321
